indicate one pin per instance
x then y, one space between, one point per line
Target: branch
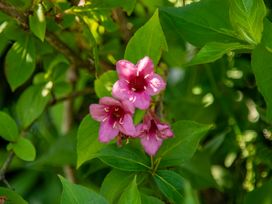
51 38
4 169
73 95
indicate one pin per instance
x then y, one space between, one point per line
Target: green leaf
131 195
20 62
138 116
114 184
24 149
267 34
149 41
37 22
170 184
76 194
87 140
103 85
214 50
198 171
246 17
181 148
8 128
127 5
146 199
11 196
263 73
202 22
31 104
124 158
260 195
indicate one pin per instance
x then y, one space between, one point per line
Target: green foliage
24 149
87 140
260 195
144 44
170 184
114 184
131 194
58 57
27 110
213 51
262 71
125 158
103 85
8 127
246 17
76 194
181 148
210 20
37 22
20 62
11 196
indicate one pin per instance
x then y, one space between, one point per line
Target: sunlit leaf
20 62
144 43
37 22
202 22
31 104
246 17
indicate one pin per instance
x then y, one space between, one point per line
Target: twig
4 169
73 95
51 38
119 16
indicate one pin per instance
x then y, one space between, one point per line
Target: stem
152 162
4 169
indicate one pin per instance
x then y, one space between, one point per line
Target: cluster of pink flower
136 84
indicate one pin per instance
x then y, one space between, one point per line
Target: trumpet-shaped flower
115 116
137 82
152 132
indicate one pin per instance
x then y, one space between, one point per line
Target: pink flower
137 82
115 116
152 133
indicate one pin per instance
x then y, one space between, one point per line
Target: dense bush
183 88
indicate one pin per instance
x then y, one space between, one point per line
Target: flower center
137 83
153 127
116 113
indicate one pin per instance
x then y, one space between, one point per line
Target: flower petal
151 144
97 112
139 130
155 85
120 90
128 127
165 130
128 106
107 132
141 100
109 101
145 66
125 69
